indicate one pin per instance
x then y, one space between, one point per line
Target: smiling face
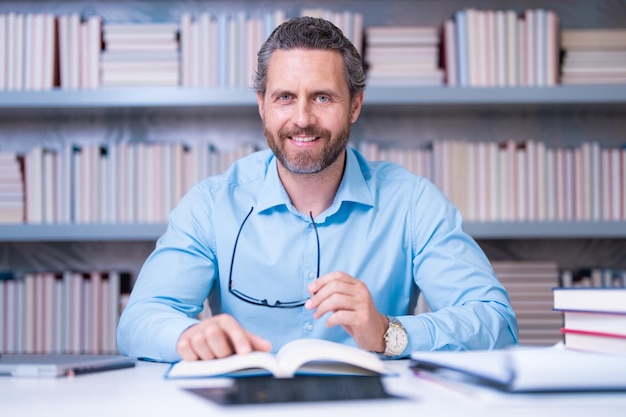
306 110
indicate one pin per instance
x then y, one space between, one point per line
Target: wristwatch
396 338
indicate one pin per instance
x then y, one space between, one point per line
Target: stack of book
594 318
80 45
219 49
530 284
11 189
62 312
594 56
486 48
407 56
27 51
123 182
520 180
140 54
417 160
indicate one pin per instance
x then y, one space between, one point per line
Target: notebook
57 365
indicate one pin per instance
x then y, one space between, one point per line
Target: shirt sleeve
176 278
470 308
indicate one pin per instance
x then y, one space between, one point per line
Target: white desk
142 391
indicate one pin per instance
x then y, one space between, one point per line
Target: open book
528 369
299 357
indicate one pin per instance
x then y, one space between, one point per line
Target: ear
260 101
356 105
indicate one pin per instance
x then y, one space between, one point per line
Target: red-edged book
594 341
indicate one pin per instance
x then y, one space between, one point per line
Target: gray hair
311 33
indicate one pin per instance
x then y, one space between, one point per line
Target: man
309 239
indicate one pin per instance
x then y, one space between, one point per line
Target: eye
323 99
285 97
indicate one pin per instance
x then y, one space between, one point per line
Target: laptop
58 365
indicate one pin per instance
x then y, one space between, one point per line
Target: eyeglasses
263 302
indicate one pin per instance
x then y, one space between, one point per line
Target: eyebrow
330 93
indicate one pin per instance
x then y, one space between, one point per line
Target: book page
302 356
260 361
317 356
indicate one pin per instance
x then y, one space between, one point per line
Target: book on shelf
397 55
411 54
11 189
140 77
136 35
449 52
526 369
601 299
140 54
500 48
219 50
594 56
592 79
91 44
79 45
600 342
298 357
614 38
15 45
68 312
3 52
139 31
142 45
401 35
434 78
39 51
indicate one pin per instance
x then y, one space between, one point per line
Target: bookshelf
561 114
401 117
376 96
151 232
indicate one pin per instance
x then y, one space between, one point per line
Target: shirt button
312 275
309 327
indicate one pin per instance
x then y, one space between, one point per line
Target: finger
260 344
205 340
230 338
333 303
216 345
319 291
239 340
349 291
185 350
340 318
325 279
194 346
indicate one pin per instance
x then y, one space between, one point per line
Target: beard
308 161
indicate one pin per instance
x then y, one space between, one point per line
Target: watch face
397 339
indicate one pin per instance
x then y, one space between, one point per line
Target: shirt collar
353 187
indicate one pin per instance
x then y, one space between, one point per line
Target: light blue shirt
391 229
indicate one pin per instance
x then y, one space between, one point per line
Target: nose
303 114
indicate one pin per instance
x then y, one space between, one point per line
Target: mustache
306 131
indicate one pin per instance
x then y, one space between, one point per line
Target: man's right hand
217 337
